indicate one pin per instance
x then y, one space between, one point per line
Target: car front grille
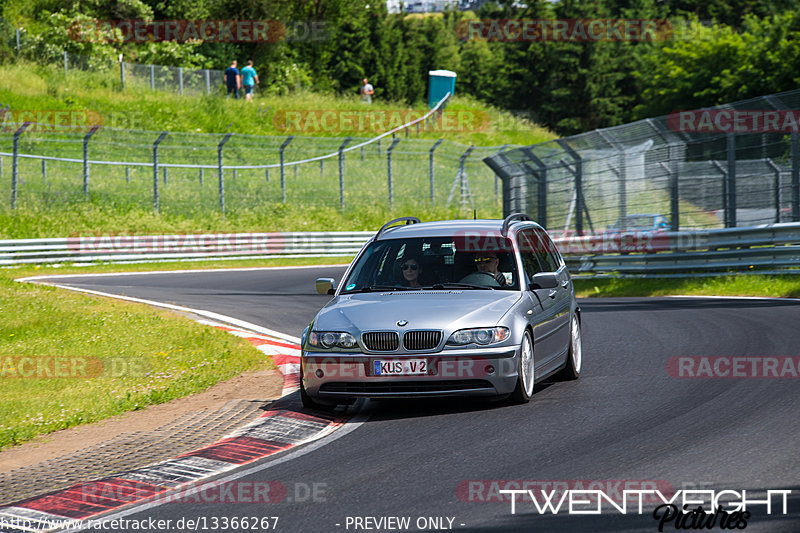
421 340
381 341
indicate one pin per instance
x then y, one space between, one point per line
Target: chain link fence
187 172
732 165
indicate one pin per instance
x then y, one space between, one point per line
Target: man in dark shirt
233 80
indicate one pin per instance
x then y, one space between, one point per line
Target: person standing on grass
366 92
248 77
233 80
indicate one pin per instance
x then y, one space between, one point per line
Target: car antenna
474 214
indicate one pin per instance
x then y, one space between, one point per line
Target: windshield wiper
378 288
436 286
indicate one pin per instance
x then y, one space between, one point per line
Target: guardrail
766 249
151 248
772 248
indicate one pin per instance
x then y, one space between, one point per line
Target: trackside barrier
767 249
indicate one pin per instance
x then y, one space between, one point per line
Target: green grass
779 286
28 86
119 357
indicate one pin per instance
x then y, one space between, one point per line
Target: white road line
208 314
188 271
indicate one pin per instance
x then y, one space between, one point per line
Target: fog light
489 369
319 373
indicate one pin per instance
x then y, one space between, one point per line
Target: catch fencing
186 173
728 166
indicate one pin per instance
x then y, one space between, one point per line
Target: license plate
400 367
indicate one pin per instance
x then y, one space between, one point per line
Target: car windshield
434 263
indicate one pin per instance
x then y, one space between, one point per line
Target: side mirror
544 280
326 286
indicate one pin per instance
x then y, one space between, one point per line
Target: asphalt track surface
624 419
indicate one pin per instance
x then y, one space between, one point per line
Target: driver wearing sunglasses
411 271
488 262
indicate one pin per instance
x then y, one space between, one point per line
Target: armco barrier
771 248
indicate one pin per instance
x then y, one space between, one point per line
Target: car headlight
331 339
482 336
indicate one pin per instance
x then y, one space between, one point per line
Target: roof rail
407 220
511 218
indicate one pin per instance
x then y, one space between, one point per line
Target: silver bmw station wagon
448 308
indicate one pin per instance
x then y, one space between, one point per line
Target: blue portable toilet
440 82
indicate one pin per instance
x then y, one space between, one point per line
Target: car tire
572 370
525 370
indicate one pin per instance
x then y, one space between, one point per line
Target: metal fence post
201 177
180 80
208 82
430 166
283 168
164 172
496 179
127 174
541 186
15 163
86 158
235 174
122 72
389 167
341 172
777 189
795 177
221 176
321 168
1 168
66 64
578 173
730 201
724 189
152 77
267 175
44 171
155 170
18 48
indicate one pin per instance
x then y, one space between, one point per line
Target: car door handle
564 284
552 293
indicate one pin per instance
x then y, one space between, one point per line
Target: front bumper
451 372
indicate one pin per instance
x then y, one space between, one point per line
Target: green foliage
711 65
742 48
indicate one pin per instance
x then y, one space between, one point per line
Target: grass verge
68 359
786 286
